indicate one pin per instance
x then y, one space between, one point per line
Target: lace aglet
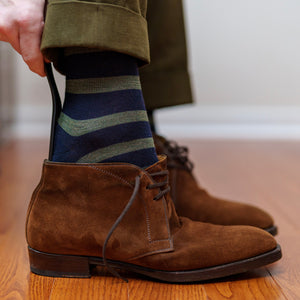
116 274
124 279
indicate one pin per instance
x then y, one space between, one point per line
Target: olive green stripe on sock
103 84
117 149
80 127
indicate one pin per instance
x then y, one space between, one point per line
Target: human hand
21 25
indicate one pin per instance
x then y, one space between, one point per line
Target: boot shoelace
178 154
126 209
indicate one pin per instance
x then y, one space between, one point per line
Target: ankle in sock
104 117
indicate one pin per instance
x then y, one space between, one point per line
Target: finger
30 40
9 31
15 42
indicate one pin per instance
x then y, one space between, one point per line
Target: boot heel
56 265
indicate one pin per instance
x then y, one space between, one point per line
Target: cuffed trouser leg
107 25
165 81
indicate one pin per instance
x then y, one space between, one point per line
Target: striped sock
104 117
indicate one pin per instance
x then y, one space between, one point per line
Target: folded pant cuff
93 25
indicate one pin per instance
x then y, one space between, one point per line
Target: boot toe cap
200 245
227 212
255 216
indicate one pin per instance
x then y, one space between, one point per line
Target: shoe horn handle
56 105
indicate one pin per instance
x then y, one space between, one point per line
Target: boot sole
56 265
273 230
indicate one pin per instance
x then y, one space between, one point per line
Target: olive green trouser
121 26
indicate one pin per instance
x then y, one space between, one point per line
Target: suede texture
199 245
196 203
75 205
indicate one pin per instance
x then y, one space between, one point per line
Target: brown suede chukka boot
194 202
121 216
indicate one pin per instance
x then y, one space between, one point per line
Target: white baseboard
231 131
235 114
208 122
231 122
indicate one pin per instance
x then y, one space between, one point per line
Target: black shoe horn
56 105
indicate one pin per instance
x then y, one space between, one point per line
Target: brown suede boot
194 202
121 216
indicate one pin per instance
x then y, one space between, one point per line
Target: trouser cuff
93 25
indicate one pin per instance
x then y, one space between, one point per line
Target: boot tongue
161 165
159 143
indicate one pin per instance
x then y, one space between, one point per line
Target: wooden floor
262 173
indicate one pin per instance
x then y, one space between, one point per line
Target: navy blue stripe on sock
79 106
134 157
77 147
95 65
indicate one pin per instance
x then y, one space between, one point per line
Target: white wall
245 67
245 52
7 95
